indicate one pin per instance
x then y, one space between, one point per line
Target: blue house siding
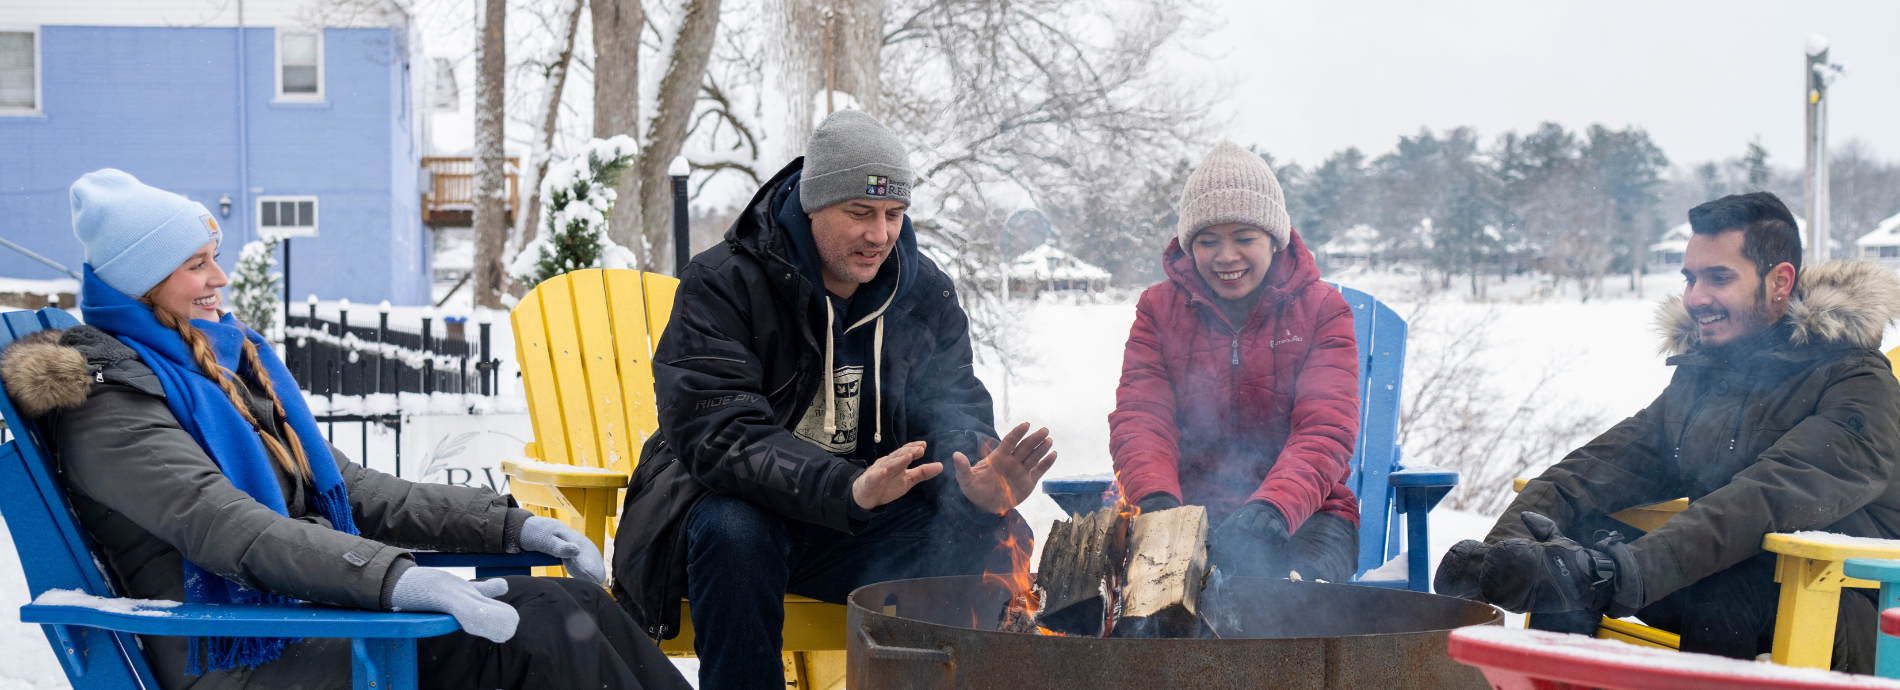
162 103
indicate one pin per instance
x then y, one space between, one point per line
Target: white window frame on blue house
277 71
316 213
39 91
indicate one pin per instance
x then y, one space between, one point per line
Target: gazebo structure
1049 268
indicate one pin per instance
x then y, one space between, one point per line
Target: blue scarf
207 414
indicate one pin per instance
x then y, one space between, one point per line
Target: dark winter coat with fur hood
1797 429
150 497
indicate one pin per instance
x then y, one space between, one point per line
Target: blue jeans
742 559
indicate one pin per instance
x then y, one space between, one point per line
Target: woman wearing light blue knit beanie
196 465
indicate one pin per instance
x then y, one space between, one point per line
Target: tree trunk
491 182
679 90
530 216
617 25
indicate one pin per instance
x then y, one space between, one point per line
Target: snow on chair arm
145 617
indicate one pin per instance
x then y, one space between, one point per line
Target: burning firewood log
1167 561
1081 570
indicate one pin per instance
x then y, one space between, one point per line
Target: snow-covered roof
1358 239
1049 263
1886 234
1675 241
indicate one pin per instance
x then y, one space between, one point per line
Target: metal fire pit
940 633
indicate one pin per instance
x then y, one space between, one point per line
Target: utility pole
1819 74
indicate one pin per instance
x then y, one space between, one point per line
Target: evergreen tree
1756 162
579 193
254 288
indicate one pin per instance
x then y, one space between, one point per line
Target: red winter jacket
1218 416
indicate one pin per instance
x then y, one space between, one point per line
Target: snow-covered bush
254 288
578 194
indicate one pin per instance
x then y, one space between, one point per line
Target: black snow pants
572 635
1732 613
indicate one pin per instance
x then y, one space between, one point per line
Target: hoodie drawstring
877 368
831 390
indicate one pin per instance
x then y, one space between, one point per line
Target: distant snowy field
1605 349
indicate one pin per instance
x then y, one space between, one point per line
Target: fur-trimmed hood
53 370
1840 303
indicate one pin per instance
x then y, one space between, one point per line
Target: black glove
1250 542
1260 520
1555 574
1459 571
1156 502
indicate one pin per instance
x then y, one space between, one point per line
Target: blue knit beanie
136 235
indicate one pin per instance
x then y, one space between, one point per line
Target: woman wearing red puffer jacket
1239 383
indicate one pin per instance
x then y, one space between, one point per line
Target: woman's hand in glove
554 538
1259 521
471 603
1157 502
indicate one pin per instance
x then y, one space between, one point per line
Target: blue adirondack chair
1393 502
97 648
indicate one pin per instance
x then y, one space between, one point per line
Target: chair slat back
585 342
1381 335
54 550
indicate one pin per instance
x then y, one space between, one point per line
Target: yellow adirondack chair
585 341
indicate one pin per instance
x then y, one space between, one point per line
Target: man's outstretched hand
892 476
1009 470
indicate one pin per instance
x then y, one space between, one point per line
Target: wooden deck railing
450 200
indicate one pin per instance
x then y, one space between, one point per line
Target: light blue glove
554 538
471 603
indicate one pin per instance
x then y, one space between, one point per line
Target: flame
1018 581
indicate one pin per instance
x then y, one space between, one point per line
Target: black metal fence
331 358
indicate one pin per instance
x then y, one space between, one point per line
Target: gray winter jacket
1797 429
150 497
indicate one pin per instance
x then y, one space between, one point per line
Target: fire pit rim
851 601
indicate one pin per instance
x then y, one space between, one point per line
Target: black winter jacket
1798 429
150 497
739 363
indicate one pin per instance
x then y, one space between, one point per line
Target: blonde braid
208 364
262 378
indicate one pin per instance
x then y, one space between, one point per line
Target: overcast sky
1308 78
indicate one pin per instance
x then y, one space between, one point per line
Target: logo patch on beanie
879 185
212 225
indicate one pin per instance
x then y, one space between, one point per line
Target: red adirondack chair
1538 660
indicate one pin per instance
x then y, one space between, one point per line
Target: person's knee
726 527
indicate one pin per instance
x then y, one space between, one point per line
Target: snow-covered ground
1605 348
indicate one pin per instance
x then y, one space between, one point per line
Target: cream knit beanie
1233 186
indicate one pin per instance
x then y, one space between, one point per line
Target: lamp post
679 170
1819 74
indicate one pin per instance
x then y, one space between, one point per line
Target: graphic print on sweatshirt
846 383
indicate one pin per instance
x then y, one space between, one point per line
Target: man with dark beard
819 417
1782 416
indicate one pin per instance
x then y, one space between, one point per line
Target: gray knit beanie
852 156
1233 186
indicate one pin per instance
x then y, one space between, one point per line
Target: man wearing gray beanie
821 424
